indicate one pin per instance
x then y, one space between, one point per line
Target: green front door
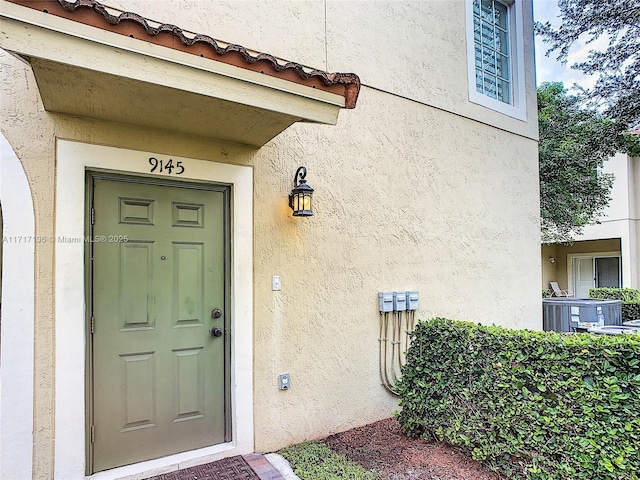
158 319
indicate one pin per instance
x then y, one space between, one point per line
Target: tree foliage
617 89
574 143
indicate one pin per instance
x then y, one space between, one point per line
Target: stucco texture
414 190
439 206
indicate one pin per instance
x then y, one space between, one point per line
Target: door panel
138 375
608 272
136 283
158 271
189 386
188 282
583 276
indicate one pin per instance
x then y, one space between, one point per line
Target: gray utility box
579 314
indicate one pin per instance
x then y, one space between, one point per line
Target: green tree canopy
617 90
574 143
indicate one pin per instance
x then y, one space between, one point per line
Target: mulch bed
382 447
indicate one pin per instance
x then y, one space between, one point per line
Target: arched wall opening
16 317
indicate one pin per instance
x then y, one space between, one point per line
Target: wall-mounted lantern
552 260
300 196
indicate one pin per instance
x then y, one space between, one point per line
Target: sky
547 68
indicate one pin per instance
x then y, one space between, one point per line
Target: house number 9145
168 166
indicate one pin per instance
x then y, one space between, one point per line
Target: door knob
216 332
216 313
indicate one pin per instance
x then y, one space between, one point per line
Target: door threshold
171 463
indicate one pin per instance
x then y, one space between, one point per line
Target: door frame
91 175
570 274
73 160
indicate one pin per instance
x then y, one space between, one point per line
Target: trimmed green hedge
530 405
624 294
630 300
630 311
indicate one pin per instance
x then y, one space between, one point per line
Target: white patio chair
556 291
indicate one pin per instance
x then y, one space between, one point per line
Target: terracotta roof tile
96 14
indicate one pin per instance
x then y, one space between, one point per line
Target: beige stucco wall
621 216
414 49
614 221
549 269
413 191
414 210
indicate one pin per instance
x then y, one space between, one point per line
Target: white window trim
518 107
73 159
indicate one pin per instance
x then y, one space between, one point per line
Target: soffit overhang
93 61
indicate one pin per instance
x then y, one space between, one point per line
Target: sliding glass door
589 271
607 270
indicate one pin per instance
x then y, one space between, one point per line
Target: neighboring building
144 325
606 254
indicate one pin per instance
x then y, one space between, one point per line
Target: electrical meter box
399 301
385 300
412 301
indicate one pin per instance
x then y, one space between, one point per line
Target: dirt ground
381 446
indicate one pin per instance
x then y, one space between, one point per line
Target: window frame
517 107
